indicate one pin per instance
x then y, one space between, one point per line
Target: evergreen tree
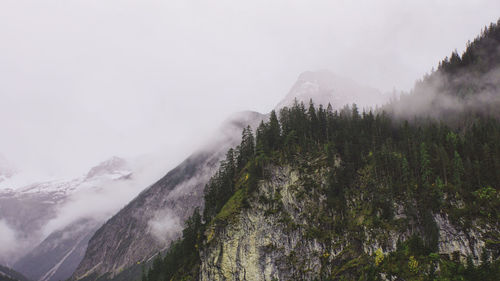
246 149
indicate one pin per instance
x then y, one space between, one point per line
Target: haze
84 80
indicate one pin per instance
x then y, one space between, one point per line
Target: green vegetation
232 207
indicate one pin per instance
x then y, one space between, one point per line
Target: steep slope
152 220
282 237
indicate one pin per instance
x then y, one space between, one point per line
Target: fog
83 80
439 97
165 226
8 240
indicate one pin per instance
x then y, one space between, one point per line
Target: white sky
81 80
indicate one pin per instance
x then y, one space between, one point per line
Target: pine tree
246 149
458 169
274 131
425 168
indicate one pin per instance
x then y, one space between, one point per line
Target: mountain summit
325 87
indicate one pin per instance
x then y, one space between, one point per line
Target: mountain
131 236
347 195
47 247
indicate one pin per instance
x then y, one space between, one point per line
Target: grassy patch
232 207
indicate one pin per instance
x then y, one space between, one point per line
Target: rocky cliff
285 234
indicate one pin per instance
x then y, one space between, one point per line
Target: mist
8 240
437 97
165 226
81 81
99 203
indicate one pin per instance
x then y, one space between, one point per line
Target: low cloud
442 96
100 202
8 241
165 226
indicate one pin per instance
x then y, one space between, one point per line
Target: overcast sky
81 80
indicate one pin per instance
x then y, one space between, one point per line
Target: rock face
152 220
260 245
452 239
279 236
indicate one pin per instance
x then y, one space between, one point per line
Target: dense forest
426 165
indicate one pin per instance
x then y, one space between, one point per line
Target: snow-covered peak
113 168
324 87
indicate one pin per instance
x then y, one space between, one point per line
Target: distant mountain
113 168
27 210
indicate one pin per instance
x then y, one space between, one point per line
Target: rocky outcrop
271 239
281 235
452 239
